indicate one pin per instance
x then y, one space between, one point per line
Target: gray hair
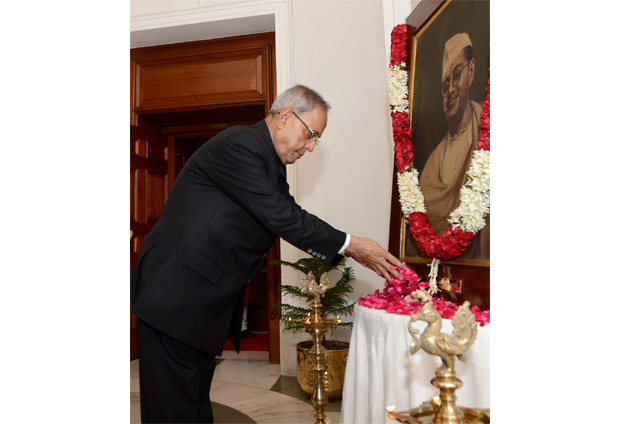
300 98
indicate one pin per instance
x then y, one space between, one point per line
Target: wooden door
197 89
150 182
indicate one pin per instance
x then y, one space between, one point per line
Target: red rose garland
484 131
404 153
398 47
454 241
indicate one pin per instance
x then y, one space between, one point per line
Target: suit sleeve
239 168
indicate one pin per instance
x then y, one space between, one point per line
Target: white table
381 372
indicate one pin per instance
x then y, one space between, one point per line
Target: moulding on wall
181 32
222 19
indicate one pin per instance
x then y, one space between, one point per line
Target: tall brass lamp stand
316 325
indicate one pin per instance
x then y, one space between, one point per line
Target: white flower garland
397 87
410 196
474 196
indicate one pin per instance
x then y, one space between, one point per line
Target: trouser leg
174 378
208 365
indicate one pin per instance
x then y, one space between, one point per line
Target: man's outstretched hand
370 254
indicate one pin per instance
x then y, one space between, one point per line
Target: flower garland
469 217
409 295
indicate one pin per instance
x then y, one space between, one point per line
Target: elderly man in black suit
223 214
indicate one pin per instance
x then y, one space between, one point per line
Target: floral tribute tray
409 295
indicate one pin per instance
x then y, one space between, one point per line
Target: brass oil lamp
442 409
316 325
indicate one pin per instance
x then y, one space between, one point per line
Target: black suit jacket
222 216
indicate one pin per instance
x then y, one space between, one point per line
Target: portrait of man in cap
444 173
449 73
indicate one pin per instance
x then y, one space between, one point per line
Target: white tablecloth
381 372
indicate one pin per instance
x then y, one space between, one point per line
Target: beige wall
347 180
338 47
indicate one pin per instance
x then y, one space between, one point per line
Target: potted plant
336 302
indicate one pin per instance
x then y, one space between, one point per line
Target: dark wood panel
139 230
202 77
155 166
213 119
140 196
155 201
202 80
134 339
149 182
132 184
242 98
137 133
150 191
148 176
156 151
139 233
421 14
274 278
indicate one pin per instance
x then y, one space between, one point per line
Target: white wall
339 48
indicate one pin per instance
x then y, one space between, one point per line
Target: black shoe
246 334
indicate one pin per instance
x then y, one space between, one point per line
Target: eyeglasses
454 79
314 135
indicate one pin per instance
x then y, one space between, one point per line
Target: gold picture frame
431 25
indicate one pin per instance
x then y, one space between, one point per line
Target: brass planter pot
336 362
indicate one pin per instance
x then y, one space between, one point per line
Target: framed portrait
448 74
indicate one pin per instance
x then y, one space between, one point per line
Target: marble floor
247 389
